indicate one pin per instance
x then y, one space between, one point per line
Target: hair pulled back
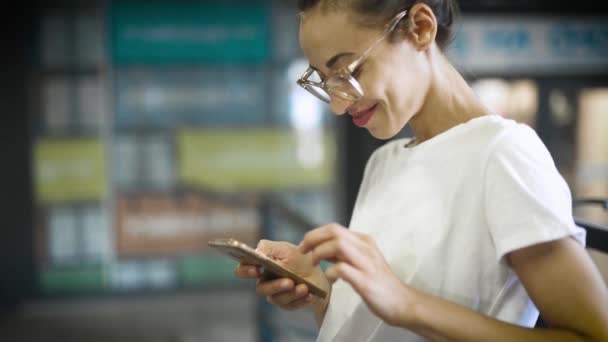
379 12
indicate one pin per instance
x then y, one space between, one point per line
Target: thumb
264 247
273 249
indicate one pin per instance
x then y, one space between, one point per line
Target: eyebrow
332 61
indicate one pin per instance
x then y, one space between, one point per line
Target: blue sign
508 40
533 45
230 96
571 40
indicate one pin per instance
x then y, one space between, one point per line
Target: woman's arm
560 278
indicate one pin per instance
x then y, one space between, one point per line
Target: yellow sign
255 159
69 170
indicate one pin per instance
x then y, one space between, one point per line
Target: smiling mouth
362 118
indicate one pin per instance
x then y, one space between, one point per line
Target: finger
300 291
264 246
277 250
348 273
346 248
304 301
273 287
284 299
246 271
328 250
319 235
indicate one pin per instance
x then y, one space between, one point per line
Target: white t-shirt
446 212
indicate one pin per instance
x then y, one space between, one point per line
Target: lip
362 118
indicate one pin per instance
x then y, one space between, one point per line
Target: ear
422 26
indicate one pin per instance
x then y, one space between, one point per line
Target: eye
357 72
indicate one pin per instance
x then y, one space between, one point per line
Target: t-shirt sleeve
527 200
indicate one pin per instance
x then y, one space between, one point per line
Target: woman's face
395 77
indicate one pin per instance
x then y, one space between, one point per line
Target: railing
597 235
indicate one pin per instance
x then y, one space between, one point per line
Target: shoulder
491 131
519 143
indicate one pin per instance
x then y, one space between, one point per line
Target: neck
449 101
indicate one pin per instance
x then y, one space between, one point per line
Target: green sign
206 269
186 32
85 278
255 159
69 170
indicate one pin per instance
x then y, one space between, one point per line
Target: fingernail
285 284
251 272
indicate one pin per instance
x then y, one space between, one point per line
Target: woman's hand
283 292
358 261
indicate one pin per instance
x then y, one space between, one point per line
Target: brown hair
378 12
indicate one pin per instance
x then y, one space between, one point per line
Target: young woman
464 233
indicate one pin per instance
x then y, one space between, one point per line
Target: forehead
324 34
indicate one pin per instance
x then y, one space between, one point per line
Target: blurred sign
145 273
210 96
63 235
530 45
206 269
168 225
69 170
143 161
188 32
255 159
73 279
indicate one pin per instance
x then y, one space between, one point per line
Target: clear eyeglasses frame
342 83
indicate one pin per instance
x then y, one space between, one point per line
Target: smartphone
247 255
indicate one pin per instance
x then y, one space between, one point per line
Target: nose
339 105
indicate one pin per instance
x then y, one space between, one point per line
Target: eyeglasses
342 83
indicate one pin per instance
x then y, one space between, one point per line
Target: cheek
407 86
400 78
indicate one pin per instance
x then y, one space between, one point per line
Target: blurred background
134 131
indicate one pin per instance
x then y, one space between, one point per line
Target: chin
382 134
